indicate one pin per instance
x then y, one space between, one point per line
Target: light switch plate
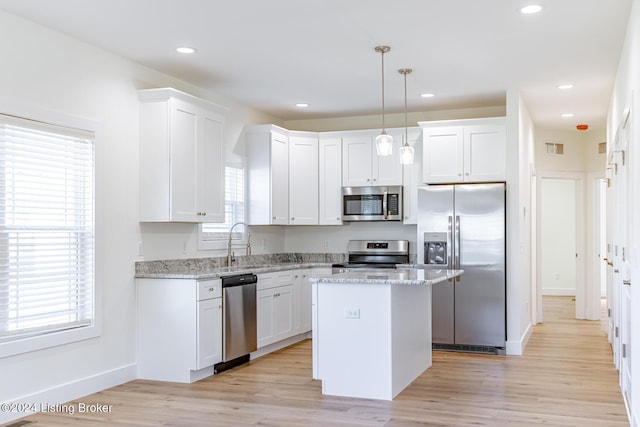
351 313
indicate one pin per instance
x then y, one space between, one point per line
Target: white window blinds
233 206
46 228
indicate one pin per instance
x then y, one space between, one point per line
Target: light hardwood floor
565 378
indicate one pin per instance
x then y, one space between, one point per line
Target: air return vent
602 148
554 148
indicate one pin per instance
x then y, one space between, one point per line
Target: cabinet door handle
626 282
273 217
204 214
293 219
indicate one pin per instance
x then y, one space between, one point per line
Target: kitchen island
372 330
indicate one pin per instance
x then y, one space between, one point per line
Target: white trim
25 110
516 347
72 390
581 291
559 292
280 345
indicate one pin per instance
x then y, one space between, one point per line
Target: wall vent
554 148
602 148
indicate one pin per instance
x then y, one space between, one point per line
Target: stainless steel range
374 254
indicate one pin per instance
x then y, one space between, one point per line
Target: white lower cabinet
179 328
302 296
209 341
313 289
274 307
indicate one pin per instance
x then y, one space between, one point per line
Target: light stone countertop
226 271
403 276
215 267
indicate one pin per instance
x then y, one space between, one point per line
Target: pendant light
384 141
406 152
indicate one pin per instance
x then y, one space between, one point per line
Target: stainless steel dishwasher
239 331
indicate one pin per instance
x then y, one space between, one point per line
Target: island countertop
403 276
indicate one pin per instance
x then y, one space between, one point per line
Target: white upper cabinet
412 178
267 148
181 158
330 180
471 150
303 178
361 166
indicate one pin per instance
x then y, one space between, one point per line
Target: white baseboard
279 345
516 347
558 292
70 391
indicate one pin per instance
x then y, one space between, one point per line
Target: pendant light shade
406 152
384 144
384 141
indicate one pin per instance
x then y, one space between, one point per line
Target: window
213 235
46 231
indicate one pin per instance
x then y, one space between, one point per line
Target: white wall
335 238
580 150
626 93
50 71
520 166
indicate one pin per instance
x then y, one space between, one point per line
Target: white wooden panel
303 180
356 161
442 160
330 181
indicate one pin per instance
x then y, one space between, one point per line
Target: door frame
581 285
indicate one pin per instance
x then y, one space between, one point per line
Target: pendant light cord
406 133
382 54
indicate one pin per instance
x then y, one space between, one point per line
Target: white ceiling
271 54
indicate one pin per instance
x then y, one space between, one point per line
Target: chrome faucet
229 253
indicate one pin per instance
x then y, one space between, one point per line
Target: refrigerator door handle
450 261
457 246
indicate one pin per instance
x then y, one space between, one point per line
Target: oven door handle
384 205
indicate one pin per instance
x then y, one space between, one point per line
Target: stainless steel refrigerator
462 226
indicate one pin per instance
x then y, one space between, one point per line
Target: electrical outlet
351 313
140 249
326 244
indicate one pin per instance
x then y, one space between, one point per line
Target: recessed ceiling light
530 9
186 49
567 115
427 95
565 86
302 105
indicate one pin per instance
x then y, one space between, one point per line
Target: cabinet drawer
277 278
208 289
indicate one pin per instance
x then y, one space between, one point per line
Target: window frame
30 343
222 242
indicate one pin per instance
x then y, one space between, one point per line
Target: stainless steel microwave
372 203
